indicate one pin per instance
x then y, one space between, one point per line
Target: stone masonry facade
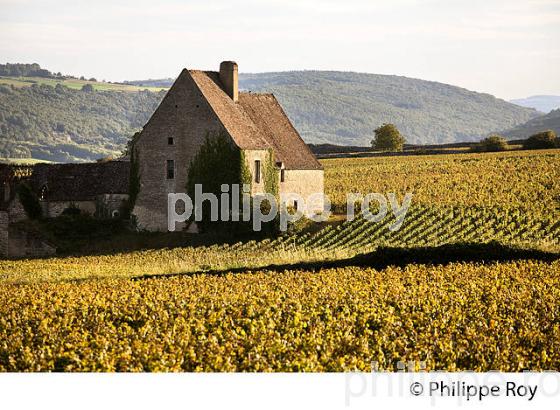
187 118
4 222
206 104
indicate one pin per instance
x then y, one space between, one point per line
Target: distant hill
550 121
65 125
542 103
57 117
54 117
343 108
163 82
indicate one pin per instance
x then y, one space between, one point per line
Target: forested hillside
46 117
550 121
344 108
61 124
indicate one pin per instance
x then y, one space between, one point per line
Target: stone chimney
228 77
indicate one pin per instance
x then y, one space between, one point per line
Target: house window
170 169
170 141
282 175
257 171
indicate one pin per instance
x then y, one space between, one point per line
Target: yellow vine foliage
116 313
455 317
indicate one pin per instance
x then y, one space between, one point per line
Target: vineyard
423 227
455 317
278 304
524 180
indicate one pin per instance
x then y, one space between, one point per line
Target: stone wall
16 211
250 157
304 183
4 222
111 205
27 244
52 209
185 116
18 242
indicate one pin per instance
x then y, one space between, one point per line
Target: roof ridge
223 106
276 127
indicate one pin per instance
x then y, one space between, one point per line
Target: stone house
100 189
202 103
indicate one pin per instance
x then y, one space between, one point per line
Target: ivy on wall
246 177
219 162
271 176
134 178
29 201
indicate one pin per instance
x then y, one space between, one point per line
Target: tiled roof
81 182
235 120
257 121
267 114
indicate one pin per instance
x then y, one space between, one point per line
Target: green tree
87 87
388 138
493 143
541 140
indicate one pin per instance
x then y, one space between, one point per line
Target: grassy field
470 282
73 83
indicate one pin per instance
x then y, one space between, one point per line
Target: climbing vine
134 178
218 162
29 201
271 175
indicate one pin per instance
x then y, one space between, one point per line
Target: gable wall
250 157
303 183
186 116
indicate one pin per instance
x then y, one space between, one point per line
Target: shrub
30 202
87 88
541 140
388 138
493 143
72 210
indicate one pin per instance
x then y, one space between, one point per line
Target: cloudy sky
509 48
